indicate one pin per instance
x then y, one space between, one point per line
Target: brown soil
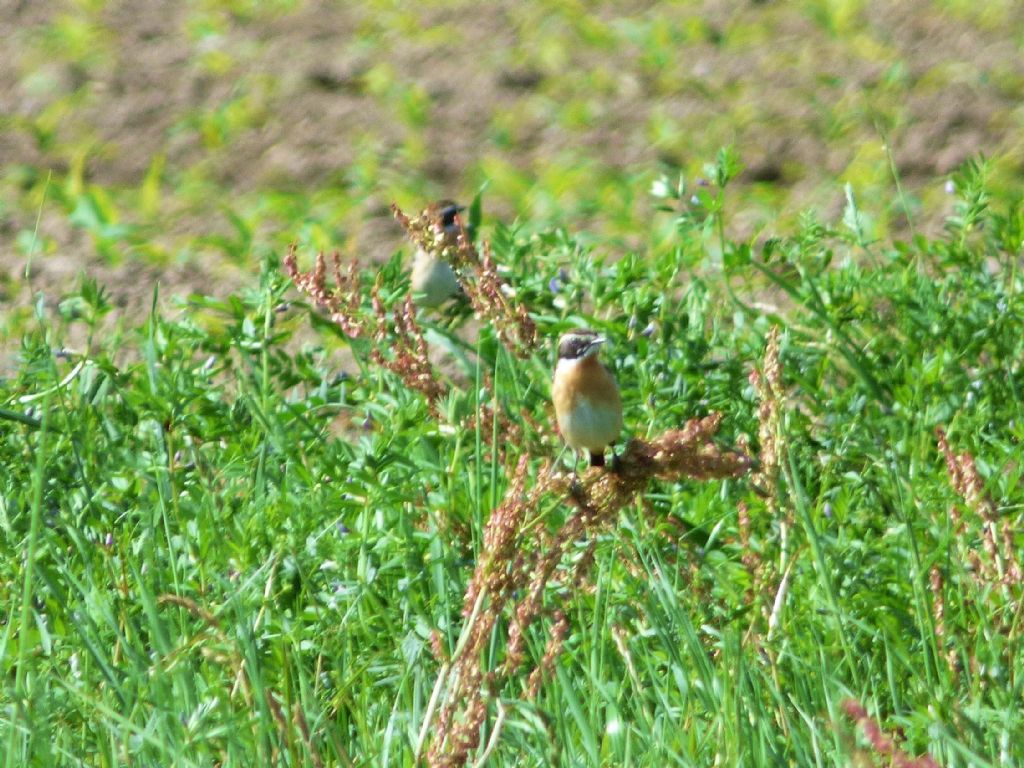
798 99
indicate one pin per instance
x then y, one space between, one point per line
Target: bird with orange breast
588 406
433 280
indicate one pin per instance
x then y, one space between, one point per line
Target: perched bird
587 401
433 281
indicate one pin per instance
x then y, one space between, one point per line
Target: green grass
220 549
228 536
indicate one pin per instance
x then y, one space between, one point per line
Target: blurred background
181 142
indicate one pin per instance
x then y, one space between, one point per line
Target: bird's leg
616 459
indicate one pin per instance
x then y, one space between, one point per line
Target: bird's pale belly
434 279
588 426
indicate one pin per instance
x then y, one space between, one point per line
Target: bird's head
446 212
579 344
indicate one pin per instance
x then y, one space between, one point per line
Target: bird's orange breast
587 403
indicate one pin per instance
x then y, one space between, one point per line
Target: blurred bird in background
433 280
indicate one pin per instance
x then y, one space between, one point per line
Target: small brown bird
433 281
587 401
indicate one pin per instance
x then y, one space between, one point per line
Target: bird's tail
597 459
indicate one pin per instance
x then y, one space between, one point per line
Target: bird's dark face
579 344
447 210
